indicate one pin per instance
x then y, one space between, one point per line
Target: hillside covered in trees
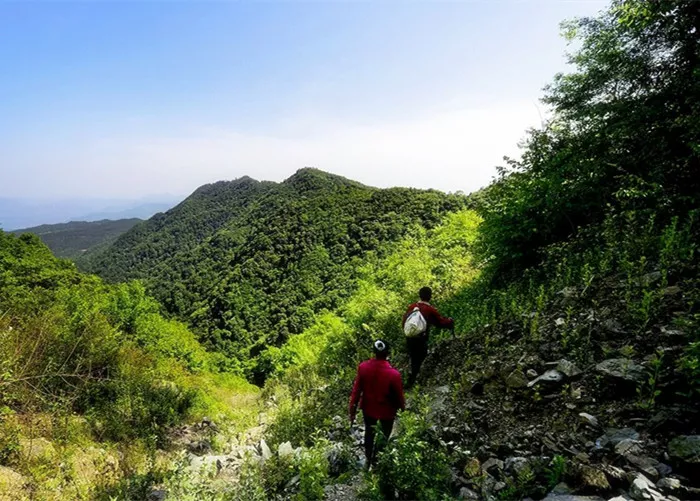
573 279
77 239
250 263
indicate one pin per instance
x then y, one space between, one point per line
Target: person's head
425 294
381 349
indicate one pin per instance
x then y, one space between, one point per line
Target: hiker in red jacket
417 346
379 392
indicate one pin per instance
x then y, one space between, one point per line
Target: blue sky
127 99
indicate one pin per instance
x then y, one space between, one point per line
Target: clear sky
127 99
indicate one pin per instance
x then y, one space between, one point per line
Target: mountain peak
311 179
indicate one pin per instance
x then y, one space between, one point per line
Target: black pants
417 348
386 425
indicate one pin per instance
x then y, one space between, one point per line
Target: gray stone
516 465
568 292
592 478
651 278
622 369
265 451
669 485
466 493
550 377
516 379
158 495
285 449
199 446
644 464
643 489
569 369
571 497
589 419
617 435
686 448
627 446
490 463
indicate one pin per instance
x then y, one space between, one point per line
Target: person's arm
355 396
437 320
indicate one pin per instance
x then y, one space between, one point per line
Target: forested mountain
78 238
248 263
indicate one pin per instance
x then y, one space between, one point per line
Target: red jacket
431 315
378 389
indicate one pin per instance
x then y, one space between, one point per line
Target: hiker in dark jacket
417 346
378 391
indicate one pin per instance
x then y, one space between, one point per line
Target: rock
672 333
265 451
516 465
285 449
617 435
550 377
651 278
592 479
589 419
472 468
628 446
686 448
562 488
669 485
199 447
663 469
644 464
516 379
643 489
616 476
567 368
11 483
622 369
292 482
466 493
36 449
568 292
490 463
158 495
571 497
531 373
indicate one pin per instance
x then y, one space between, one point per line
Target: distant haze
24 213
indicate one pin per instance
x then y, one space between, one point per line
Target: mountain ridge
290 248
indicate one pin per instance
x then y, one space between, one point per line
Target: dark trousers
417 348
386 426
